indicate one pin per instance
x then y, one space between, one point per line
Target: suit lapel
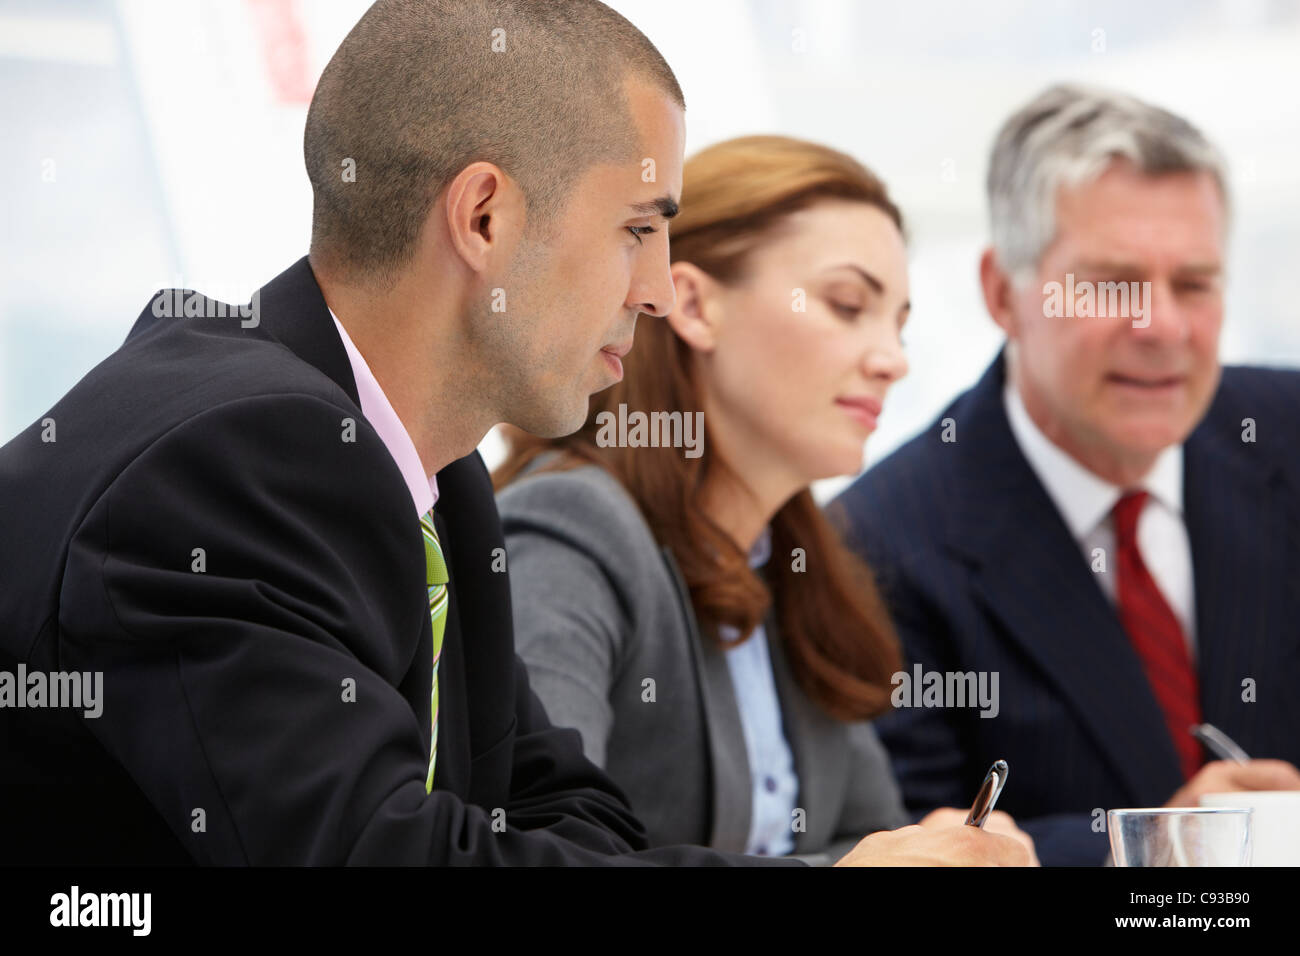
1029 573
483 705
293 311
819 745
452 770
1241 527
730 780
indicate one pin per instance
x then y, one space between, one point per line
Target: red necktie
1157 636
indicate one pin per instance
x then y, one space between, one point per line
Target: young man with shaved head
268 528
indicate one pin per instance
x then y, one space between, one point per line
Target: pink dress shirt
379 412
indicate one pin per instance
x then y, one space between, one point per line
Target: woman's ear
698 311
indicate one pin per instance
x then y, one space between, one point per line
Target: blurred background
156 143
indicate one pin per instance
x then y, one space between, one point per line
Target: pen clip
988 794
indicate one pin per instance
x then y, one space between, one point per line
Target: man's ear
999 292
483 213
697 314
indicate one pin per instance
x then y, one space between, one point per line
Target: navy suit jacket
217 529
981 574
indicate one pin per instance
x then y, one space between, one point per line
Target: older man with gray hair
1108 520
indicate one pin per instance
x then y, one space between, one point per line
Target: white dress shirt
1085 502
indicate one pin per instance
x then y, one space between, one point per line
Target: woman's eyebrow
870 279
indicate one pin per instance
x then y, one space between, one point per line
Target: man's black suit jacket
982 574
250 583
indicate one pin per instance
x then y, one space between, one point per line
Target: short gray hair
1067 136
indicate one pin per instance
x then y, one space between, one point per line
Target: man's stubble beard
512 358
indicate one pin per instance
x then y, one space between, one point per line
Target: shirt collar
1082 498
379 412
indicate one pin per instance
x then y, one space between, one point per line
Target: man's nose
1161 319
652 289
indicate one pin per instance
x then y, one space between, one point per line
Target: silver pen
988 794
1218 743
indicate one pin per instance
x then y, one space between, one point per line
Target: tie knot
1127 511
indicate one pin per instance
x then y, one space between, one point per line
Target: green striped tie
435 576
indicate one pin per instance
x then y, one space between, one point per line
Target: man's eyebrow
663 206
1106 265
1200 268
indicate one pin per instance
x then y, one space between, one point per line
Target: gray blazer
603 620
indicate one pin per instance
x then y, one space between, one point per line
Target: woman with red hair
679 598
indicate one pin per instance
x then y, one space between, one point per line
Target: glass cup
1180 836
